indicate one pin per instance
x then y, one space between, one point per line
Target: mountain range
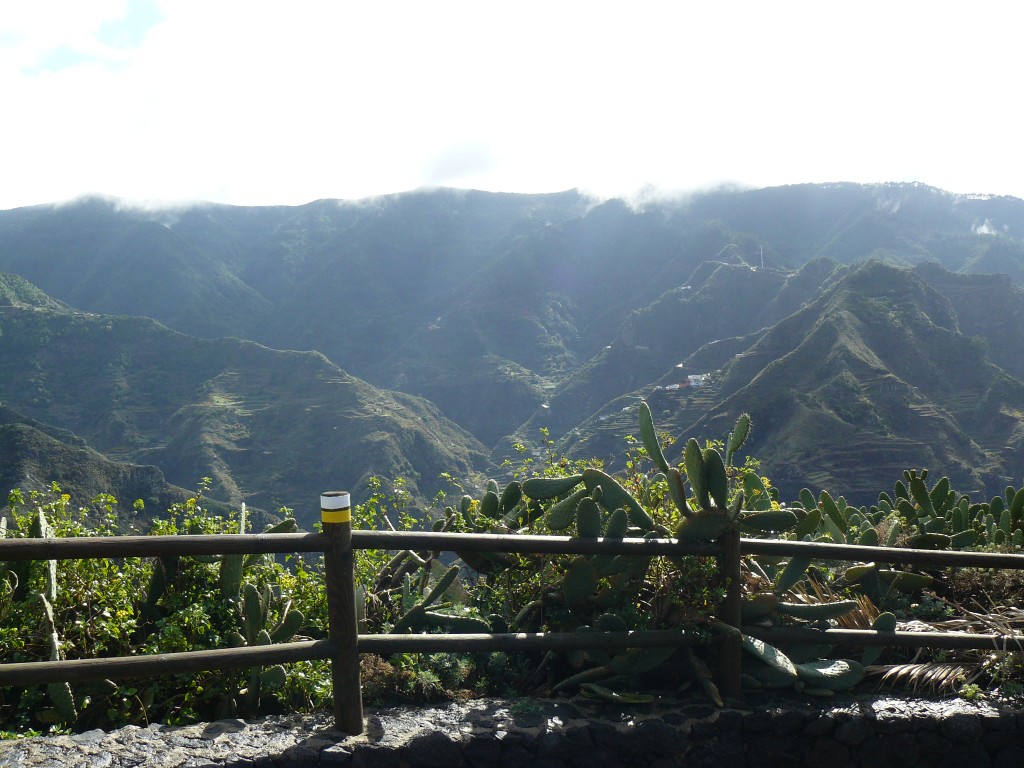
283 351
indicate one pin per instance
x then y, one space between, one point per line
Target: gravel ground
563 732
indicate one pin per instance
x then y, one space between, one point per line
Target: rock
848 730
1009 757
515 756
89 737
548 762
933 745
827 752
432 750
579 738
553 745
961 727
482 752
221 727
729 754
729 722
852 732
298 756
819 726
335 756
653 737
888 751
374 756
759 722
596 758
893 722
973 755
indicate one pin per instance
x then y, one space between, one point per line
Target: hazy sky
282 103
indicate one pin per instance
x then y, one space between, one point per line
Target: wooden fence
338 541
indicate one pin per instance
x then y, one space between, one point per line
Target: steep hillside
719 301
16 291
101 258
988 307
851 222
35 455
536 312
872 377
271 428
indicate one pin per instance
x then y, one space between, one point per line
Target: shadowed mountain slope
721 300
872 377
271 428
36 455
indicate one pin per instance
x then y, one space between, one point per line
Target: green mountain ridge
872 377
271 428
428 281
512 313
720 300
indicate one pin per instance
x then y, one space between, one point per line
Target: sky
260 103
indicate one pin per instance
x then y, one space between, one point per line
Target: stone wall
783 731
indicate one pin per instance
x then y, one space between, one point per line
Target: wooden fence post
731 613
339 573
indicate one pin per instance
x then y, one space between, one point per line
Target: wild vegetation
75 609
516 336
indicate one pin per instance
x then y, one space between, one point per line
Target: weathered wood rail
338 541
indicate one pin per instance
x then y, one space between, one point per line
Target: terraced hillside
271 428
869 379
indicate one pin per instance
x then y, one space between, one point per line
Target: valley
283 351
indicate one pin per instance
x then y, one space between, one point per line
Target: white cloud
461 163
254 102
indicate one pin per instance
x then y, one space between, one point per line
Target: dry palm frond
930 677
754 577
968 666
861 617
1007 621
958 668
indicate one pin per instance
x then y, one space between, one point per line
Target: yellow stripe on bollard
336 515
336 507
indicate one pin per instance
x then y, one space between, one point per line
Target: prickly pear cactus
418 618
255 605
233 567
60 693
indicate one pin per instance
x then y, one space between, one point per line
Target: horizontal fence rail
865 637
279 543
276 543
153 665
936 557
80 670
338 541
523 641
526 544
86 547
